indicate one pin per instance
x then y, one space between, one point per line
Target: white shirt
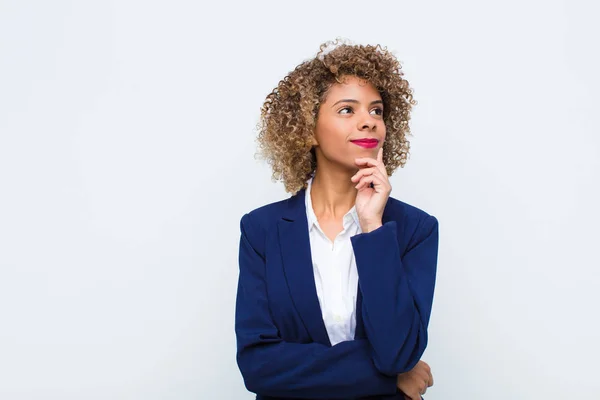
334 268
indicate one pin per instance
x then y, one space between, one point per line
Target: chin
361 149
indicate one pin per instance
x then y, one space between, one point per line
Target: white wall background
127 159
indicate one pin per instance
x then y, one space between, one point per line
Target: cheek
332 133
340 129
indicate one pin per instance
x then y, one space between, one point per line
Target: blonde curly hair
289 113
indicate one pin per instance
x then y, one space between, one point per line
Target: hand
370 201
415 382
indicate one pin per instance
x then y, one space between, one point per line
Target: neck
332 193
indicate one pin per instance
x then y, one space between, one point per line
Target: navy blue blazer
283 350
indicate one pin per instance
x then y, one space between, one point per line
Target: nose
367 122
368 125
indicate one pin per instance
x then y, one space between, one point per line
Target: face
352 110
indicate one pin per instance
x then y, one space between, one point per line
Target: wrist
370 226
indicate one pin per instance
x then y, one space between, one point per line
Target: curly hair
289 113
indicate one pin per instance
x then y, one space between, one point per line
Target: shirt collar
350 217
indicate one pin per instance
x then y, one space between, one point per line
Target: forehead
352 87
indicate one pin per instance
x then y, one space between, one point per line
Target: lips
368 143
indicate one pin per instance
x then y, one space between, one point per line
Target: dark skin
352 110
349 175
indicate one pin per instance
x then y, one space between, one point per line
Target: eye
380 110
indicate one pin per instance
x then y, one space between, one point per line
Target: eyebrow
356 101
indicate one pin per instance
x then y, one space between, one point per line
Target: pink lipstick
366 143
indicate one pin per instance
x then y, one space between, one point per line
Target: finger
374 179
366 172
367 161
427 371
362 172
423 374
365 181
371 162
368 178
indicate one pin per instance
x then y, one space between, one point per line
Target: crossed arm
397 297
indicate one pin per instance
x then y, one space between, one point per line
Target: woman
336 282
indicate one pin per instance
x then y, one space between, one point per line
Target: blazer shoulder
255 224
266 215
401 208
410 216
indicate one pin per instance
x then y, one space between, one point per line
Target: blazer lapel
297 264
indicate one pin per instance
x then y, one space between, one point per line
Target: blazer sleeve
397 292
271 366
